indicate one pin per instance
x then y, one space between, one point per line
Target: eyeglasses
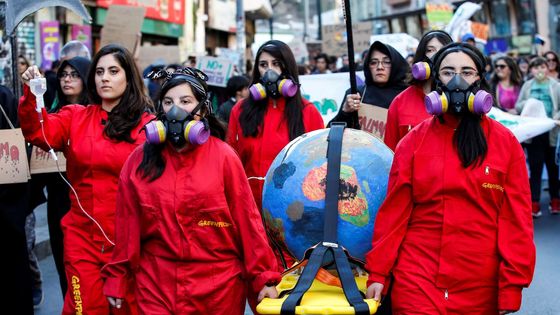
551 60
376 62
465 74
73 75
501 66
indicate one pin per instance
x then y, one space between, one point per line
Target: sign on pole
219 70
122 26
335 37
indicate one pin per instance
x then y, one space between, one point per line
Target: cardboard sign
13 157
335 37
160 54
219 70
42 162
373 119
122 26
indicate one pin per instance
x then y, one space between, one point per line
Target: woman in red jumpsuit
455 230
407 109
188 228
262 124
96 140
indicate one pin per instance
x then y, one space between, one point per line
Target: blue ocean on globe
294 191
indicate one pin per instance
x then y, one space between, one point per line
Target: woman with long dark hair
506 83
185 214
274 114
455 231
553 64
407 109
96 140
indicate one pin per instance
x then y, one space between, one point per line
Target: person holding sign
385 72
96 140
455 231
185 214
407 109
16 297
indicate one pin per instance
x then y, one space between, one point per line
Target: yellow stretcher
321 298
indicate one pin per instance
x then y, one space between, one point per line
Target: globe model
294 191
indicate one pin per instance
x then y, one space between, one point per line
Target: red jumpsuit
193 238
457 241
406 111
258 153
93 166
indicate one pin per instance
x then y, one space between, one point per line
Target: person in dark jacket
386 72
16 297
238 89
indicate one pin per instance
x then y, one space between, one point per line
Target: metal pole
319 33
350 42
270 22
241 41
305 19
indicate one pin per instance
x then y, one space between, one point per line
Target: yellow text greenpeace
493 186
214 224
77 295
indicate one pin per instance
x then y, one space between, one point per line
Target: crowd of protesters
139 153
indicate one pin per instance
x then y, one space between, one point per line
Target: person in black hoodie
16 297
386 72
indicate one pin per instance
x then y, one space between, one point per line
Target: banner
50 43
159 54
82 33
13 157
42 162
373 119
326 92
219 70
171 11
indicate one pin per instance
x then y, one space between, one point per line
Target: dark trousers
15 275
58 204
539 153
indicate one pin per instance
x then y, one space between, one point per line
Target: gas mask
179 127
422 70
458 97
273 85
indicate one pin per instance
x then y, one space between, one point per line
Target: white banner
325 91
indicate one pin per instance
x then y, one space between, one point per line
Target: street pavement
541 298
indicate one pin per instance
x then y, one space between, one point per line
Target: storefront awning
257 9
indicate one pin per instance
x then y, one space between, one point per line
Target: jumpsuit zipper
446 294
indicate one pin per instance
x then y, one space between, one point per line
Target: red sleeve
233 125
56 126
392 127
312 119
392 218
126 253
515 234
260 262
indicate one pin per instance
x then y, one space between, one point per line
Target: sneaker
37 297
536 208
554 206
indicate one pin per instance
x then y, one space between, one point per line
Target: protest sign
373 119
50 43
334 38
219 70
42 162
438 14
522 127
122 26
160 54
13 157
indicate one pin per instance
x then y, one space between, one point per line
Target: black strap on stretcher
330 243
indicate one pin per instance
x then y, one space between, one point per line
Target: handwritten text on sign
43 162
373 119
13 157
